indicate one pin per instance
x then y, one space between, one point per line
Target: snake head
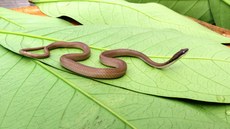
176 56
180 53
183 51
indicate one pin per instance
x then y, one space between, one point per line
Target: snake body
117 67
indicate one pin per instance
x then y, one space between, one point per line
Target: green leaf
202 75
221 13
199 9
39 96
13 20
118 12
227 1
34 95
205 10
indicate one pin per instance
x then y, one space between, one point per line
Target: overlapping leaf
111 12
221 13
202 75
8 18
227 1
199 9
212 11
34 95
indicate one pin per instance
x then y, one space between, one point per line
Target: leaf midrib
103 49
85 94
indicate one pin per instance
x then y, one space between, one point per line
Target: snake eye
184 50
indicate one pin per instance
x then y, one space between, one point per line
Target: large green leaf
202 75
118 12
34 95
158 44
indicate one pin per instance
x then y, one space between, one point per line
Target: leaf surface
199 9
227 1
115 12
13 20
34 95
37 97
221 13
43 97
202 74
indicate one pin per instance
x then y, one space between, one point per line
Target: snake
117 67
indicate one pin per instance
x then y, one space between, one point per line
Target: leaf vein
17 90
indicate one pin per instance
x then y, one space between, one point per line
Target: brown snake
118 69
